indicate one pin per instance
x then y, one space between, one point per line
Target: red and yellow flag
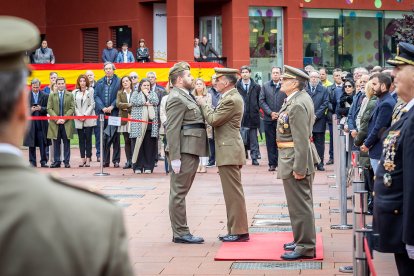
71 72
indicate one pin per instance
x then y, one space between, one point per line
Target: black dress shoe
236 238
272 168
188 239
211 164
127 166
293 256
320 167
330 162
106 165
44 165
255 163
55 165
98 159
67 165
33 165
116 165
289 246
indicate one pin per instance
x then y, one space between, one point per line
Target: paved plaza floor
144 199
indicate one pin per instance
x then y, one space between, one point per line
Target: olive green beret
225 71
17 36
179 67
295 73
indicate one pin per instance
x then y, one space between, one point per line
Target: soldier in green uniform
230 156
296 162
186 140
47 227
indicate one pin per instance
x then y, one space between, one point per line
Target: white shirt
291 95
409 105
10 149
125 56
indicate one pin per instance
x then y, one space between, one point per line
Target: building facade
262 33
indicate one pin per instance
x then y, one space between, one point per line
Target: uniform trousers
405 265
319 141
300 205
230 177
331 150
270 134
180 185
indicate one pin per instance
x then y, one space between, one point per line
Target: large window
266 41
347 39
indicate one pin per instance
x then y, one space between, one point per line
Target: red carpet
262 247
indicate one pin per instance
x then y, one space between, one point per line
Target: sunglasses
134 77
348 86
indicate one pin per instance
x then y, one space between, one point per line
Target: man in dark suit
105 103
320 98
394 185
380 119
250 91
335 92
206 48
271 100
37 134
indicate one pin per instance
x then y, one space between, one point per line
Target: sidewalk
145 202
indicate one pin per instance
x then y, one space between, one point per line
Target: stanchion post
342 184
335 134
101 128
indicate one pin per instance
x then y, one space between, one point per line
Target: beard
189 85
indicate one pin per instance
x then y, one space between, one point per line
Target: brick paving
148 225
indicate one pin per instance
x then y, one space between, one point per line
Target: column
180 30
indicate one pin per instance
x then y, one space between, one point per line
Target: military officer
47 227
187 140
230 156
393 187
296 162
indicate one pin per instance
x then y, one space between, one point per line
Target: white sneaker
138 171
147 171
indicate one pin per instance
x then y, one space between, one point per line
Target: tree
404 27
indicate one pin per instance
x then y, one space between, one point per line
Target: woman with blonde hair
200 91
369 93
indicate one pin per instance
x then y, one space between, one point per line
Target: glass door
210 27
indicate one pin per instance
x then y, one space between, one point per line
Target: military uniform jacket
49 228
295 124
226 120
390 191
181 110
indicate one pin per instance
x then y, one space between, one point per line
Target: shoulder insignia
56 179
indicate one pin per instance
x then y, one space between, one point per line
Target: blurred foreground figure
47 227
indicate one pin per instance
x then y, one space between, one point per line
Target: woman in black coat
345 102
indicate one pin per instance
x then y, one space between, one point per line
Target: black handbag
244 132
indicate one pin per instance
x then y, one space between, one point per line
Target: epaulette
56 179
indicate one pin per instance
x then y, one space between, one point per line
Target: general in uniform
393 188
296 162
47 227
186 140
230 156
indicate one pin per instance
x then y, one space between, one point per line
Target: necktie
60 103
313 90
247 87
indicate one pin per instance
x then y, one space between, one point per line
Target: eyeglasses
348 86
134 77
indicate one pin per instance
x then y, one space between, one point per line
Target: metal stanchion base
101 174
346 269
333 186
341 226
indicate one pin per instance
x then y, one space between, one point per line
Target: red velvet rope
46 118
